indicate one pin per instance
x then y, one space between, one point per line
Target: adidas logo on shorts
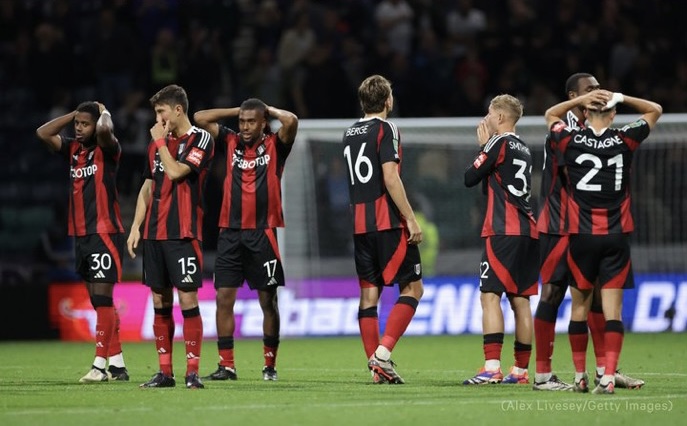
99 274
187 279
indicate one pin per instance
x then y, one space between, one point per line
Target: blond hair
509 105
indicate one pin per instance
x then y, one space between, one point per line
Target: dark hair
573 82
254 104
257 105
171 95
89 107
373 93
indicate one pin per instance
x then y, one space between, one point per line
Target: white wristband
615 99
106 112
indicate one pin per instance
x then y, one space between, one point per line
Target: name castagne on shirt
598 143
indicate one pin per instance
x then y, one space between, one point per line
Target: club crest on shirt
181 148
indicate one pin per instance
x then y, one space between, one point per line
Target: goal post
317 239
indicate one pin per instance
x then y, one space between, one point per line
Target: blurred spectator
395 23
464 21
164 59
113 56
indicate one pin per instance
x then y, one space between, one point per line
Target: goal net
317 240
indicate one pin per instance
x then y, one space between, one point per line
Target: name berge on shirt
353 131
598 143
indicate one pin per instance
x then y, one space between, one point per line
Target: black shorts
553 252
600 258
172 263
386 258
250 255
510 264
99 257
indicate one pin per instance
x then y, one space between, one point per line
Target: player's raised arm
49 132
289 123
208 118
651 111
173 169
104 127
595 100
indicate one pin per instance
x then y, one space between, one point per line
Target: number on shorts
271 267
101 261
188 265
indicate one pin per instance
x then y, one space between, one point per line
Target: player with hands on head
170 208
598 162
95 223
247 247
510 259
386 232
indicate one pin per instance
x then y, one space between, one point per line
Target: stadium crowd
444 57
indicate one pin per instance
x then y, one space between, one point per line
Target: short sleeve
390 144
199 152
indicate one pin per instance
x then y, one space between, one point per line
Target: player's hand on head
616 98
101 107
596 99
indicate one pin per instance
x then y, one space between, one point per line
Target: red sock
597 328
369 332
270 353
193 339
226 358
399 318
579 338
544 336
523 353
162 325
614 343
492 350
115 344
104 328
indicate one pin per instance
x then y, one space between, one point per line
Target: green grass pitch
325 382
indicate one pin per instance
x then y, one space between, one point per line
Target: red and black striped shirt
368 144
93 199
506 164
598 168
175 210
553 194
252 185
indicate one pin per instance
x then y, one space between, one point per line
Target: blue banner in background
451 305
